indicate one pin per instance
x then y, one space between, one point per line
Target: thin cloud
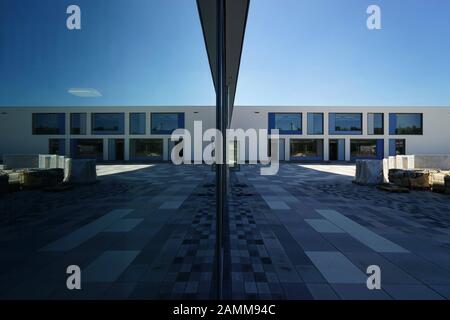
85 92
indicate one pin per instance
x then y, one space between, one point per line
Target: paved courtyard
147 232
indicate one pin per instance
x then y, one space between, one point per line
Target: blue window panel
405 123
49 123
286 123
380 149
315 123
137 123
392 147
392 123
108 123
345 123
375 123
166 123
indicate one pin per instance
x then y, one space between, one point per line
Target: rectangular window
108 123
367 149
57 146
315 123
375 123
406 123
146 149
137 123
397 147
87 149
78 123
166 123
286 123
49 123
345 123
306 149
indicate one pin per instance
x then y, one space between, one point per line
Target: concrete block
20 161
80 171
386 170
404 162
369 172
44 161
392 162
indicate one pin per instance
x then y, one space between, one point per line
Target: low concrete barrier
369 172
80 171
50 161
441 162
20 161
411 162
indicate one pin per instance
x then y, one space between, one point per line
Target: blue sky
296 52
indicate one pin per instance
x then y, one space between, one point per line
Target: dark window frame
33 124
271 120
332 131
319 153
181 123
94 132
393 131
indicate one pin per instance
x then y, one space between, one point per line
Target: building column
126 146
305 123
105 149
67 140
166 149
287 149
386 134
347 149
126 138
364 123
326 124
326 149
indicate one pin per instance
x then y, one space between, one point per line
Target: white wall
16 126
435 138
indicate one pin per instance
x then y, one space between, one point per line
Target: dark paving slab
303 234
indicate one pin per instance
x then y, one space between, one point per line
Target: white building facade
310 134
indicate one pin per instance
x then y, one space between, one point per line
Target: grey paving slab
336 268
324 226
364 235
277 205
86 232
267 244
322 292
359 292
412 292
124 225
109 266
